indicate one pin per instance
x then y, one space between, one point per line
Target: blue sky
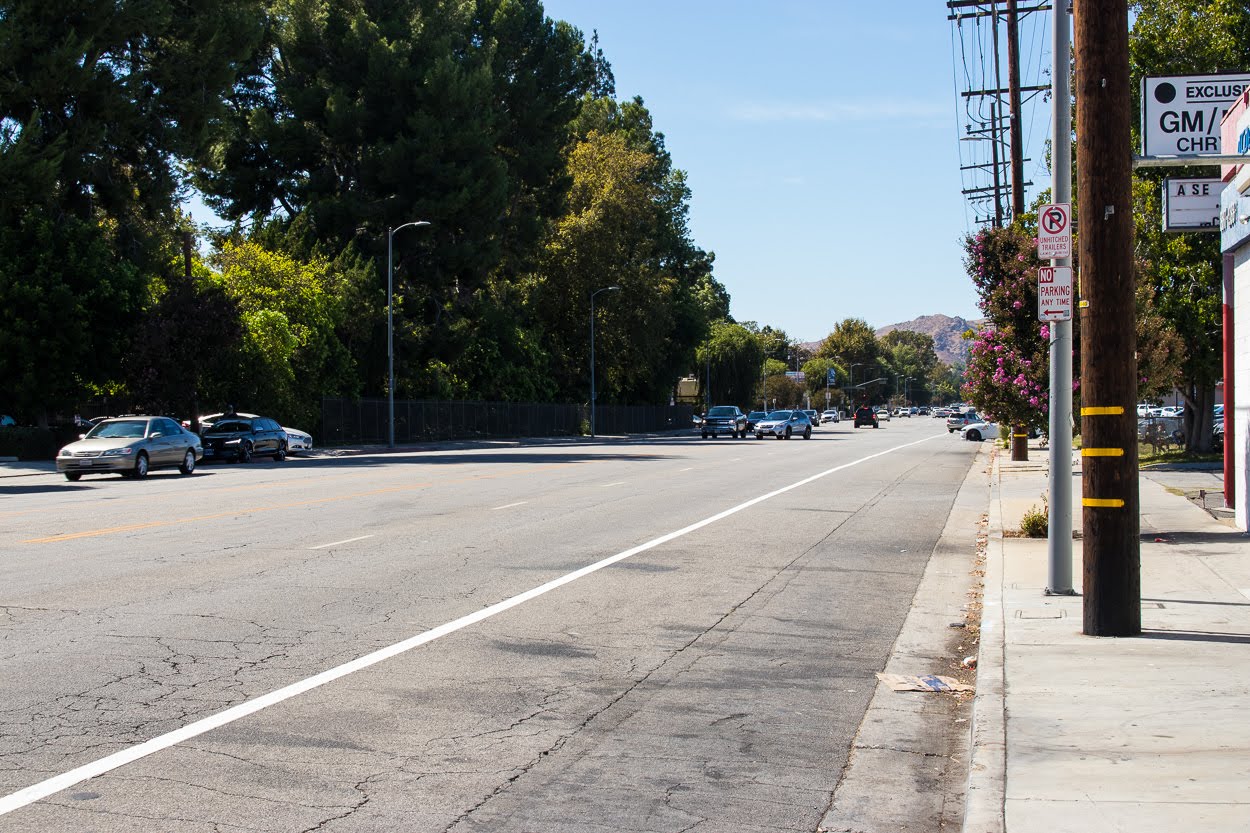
821 140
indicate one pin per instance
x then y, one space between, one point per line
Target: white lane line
345 541
510 505
55 784
617 483
687 468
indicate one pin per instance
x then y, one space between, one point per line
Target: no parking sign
1054 231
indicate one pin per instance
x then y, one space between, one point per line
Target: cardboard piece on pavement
927 682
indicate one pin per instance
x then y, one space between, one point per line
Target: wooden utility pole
1019 434
1111 545
1013 93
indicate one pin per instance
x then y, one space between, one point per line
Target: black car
724 419
235 437
865 415
753 418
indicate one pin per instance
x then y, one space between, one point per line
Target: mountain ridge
947 332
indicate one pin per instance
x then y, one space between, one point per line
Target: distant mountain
947 332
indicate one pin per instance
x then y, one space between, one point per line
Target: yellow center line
93 533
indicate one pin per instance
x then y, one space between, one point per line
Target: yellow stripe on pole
1102 452
1103 502
1109 410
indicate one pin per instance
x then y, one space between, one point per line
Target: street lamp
390 330
592 352
851 383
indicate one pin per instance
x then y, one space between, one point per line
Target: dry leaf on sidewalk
927 682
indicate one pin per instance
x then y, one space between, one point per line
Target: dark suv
865 415
240 438
724 419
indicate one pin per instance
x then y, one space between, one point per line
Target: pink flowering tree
1007 376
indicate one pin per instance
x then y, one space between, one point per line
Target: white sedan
978 431
297 440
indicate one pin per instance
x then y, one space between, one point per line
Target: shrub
1036 522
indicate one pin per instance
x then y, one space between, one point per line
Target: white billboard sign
1191 204
1054 231
1054 293
1180 114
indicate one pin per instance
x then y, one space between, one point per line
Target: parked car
238 438
753 419
724 419
959 421
831 415
978 431
865 415
131 446
297 440
784 424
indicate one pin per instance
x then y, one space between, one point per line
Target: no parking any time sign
1054 293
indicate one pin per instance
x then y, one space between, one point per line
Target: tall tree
732 360
99 101
854 345
1173 37
372 115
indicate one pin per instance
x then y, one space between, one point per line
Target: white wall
1241 385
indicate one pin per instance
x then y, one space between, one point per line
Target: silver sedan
131 446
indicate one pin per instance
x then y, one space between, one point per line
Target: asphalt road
664 635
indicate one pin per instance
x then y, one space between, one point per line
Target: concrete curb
987 766
907 744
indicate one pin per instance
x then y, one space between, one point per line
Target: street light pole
592 353
390 330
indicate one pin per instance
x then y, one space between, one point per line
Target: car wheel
245 453
188 462
975 436
73 476
807 433
280 454
704 435
141 466
787 432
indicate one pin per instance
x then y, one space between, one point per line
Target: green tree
1173 37
100 100
854 346
731 359
371 115
290 355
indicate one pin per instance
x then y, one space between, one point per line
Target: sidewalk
1073 734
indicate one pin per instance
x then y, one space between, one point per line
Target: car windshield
229 427
130 429
721 412
779 415
756 415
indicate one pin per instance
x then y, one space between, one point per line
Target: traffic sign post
1054 231
1054 293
